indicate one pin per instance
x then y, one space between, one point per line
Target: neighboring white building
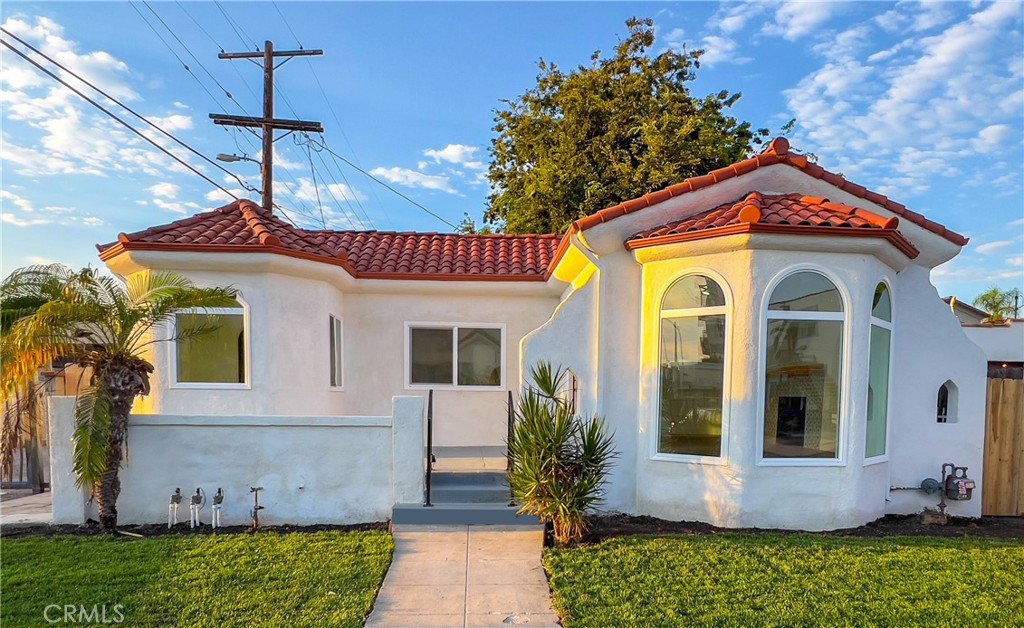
764 340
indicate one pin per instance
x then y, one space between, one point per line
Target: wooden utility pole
268 123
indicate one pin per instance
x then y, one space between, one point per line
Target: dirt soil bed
611 526
92 528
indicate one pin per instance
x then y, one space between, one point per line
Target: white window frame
844 384
337 324
246 349
454 327
884 324
654 416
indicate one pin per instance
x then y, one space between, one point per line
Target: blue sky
922 101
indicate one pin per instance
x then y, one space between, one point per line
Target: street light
233 158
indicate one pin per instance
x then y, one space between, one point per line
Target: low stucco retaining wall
313 469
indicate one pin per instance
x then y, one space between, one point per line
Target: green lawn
316 579
789 580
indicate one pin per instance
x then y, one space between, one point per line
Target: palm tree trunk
122 384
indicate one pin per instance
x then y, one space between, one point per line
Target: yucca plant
103 324
559 459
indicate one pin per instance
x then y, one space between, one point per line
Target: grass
789 580
314 579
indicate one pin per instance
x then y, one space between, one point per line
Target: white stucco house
764 341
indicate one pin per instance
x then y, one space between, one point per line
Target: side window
878 373
337 346
804 356
692 371
211 346
946 406
468 356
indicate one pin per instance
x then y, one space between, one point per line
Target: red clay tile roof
777 152
785 213
243 226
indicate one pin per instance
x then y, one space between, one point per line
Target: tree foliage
999 303
619 128
100 323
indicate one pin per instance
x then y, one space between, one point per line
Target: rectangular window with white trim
336 352
469 356
210 347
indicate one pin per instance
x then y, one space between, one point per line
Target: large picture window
692 372
451 355
802 368
878 373
217 355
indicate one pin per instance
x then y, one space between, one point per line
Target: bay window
804 350
692 372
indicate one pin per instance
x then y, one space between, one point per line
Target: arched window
947 403
692 354
878 372
802 368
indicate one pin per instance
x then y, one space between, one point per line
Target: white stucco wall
313 469
288 303
999 343
930 348
740 490
377 361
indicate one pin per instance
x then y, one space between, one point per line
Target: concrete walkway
26 510
462 576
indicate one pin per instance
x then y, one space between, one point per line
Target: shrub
559 459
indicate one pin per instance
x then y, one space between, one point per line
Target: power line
315 188
176 56
198 25
115 117
285 20
125 107
319 152
370 176
235 28
189 51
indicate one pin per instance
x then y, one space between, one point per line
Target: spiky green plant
559 458
102 324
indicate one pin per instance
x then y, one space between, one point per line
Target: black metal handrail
430 445
508 441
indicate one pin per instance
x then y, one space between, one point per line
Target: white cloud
921 109
413 179
178 207
733 17
166 190
20 202
220 196
992 247
180 105
675 39
457 154
718 49
795 19
1016 260
306 191
50 131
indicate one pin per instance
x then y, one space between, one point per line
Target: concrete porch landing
463 459
463 576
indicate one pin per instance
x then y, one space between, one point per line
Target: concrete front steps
464 498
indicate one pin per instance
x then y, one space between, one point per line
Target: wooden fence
1003 487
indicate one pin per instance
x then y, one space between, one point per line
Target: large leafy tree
619 128
100 323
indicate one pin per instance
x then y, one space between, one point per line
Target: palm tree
102 324
998 303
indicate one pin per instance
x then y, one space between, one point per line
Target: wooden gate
1003 487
